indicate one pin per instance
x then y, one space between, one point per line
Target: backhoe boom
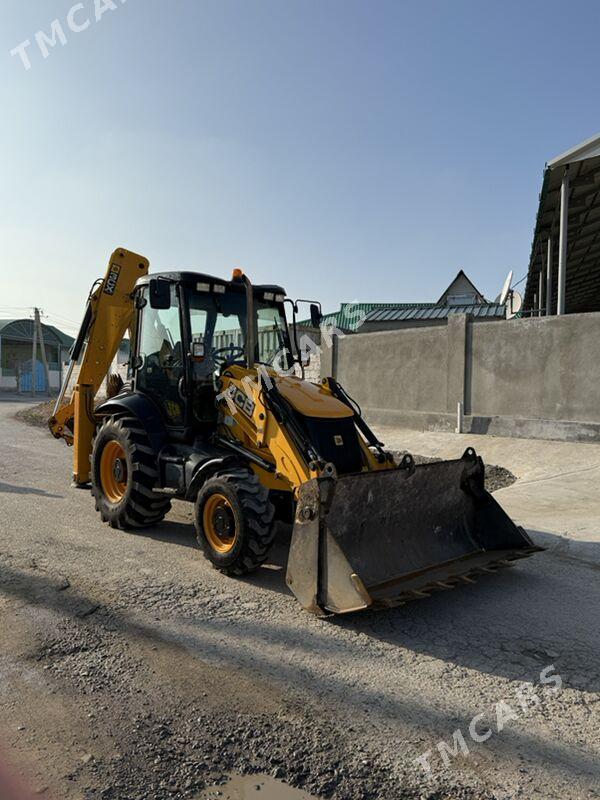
108 315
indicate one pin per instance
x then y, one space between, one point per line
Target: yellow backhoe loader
214 413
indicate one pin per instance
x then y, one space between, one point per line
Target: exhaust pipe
250 326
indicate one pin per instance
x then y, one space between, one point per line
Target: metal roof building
564 266
351 316
478 311
460 297
461 294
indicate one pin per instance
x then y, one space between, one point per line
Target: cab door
161 358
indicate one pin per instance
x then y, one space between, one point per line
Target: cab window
272 337
161 358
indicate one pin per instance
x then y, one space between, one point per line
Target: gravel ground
205 726
130 669
37 415
181 747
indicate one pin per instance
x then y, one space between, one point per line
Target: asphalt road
129 668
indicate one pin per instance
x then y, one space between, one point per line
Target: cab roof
177 276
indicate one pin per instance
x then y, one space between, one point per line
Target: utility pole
33 354
40 332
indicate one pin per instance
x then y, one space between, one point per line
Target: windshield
219 322
272 339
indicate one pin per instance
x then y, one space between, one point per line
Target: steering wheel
227 354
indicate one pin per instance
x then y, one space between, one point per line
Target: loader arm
108 315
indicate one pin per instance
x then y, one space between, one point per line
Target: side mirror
160 293
315 315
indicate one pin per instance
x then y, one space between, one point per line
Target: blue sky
348 150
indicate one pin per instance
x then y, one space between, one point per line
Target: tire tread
142 506
258 516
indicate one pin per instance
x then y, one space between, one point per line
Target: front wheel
235 521
124 472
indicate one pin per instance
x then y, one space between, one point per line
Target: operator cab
189 328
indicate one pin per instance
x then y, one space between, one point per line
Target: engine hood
311 400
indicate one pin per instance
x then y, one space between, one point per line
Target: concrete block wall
395 370
537 367
536 377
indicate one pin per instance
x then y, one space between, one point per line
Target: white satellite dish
505 288
515 304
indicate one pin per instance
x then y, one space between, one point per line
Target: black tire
249 511
138 506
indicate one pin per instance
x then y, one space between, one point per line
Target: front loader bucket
385 537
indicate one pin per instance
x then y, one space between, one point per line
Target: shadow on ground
171 532
251 633
12 489
511 624
270 576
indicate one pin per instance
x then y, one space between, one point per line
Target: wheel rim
218 523
113 471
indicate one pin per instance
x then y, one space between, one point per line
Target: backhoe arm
108 314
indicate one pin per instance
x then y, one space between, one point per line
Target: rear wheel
235 521
124 473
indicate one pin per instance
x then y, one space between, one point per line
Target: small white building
16 356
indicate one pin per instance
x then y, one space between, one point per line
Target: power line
44 314
60 319
54 320
56 316
61 322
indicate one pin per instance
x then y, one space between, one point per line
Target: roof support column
562 241
549 279
541 293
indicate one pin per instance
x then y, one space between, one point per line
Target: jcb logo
113 277
242 401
